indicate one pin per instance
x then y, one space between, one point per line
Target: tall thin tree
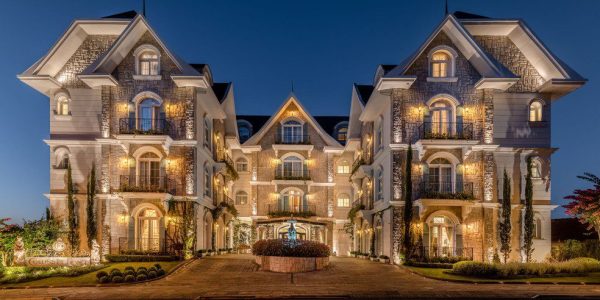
528 218
504 224
73 233
92 229
408 205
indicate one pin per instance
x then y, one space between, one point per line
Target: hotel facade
473 101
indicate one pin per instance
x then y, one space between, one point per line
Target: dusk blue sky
323 46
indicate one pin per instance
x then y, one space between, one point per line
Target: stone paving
236 276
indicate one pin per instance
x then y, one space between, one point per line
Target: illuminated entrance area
300 233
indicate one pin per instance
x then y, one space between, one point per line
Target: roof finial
144 8
446 8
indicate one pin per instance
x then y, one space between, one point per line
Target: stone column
397 213
488 107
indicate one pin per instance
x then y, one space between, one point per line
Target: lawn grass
440 274
90 278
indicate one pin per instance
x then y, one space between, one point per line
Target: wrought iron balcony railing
284 174
150 184
298 139
175 128
445 190
440 131
286 209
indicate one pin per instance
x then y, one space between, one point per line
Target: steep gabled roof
124 15
364 92
483 63
292 99
221 89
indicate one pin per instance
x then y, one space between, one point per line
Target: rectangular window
242 166
144 68
343 169
343 202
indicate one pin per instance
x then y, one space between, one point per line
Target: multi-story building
293 166
473 101
153 126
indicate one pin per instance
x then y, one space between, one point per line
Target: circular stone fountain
290 255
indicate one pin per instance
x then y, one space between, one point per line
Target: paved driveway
230 276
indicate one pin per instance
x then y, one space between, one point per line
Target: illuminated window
536 168
62 105
244 130
535 111
241 198
292 132
440 64
343 200
343 167
148 63
241 165
292 167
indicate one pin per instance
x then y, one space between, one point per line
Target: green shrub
129 278
141 258
158 266
129 268
152 274
570 249
384 257
101 274
141 252
152 269
474 268
117 279
161 272
419 264
142 269
116 272
141 277
23 274
1 270
104 279
282 247
129 272
514 269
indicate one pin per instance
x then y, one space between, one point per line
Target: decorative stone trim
284 264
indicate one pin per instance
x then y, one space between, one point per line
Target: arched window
293 167
440 176
343 200
244 130
149 115
241 165
341 132
241 198
291 132
148 60
293 200
441 64
207 130
147 223
343 167
535 111
148 171
379 184
62 159
441 235
207 180
536 168
62 105
442 117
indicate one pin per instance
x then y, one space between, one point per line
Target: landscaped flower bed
518 270
130 274
24 274
141 258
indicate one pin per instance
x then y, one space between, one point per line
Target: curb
498 281
106 285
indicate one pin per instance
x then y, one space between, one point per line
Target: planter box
284 264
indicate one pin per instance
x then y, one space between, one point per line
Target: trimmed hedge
516 270
282 247
428 265
141 258
130 274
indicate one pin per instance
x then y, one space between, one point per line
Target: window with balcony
379 184
293 200
343 167
241 198
292 132
150 118
440 176
292 167
343 200
148 170
442 116
241 165
535 111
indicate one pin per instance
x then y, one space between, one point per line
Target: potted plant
384 259
373 257
210 252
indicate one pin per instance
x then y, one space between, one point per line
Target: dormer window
147 62
244 130
341 132
440 64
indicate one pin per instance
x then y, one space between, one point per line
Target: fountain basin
287 264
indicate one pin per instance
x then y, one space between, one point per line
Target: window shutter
459 179
426 125
424 181
304 203
162 123
459 124
131 120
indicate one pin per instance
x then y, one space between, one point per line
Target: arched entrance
148 228
282 233
442 234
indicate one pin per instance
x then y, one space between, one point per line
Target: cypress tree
528 218
408 205
73 232
48 214
504 224
91 210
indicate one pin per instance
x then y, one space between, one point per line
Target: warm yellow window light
439 64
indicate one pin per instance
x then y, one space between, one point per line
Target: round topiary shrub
141 277
116 272
142 269
152 269
157 266
117 279
104 279
129 272
101 274
130 268
152 274
161 273
129 278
